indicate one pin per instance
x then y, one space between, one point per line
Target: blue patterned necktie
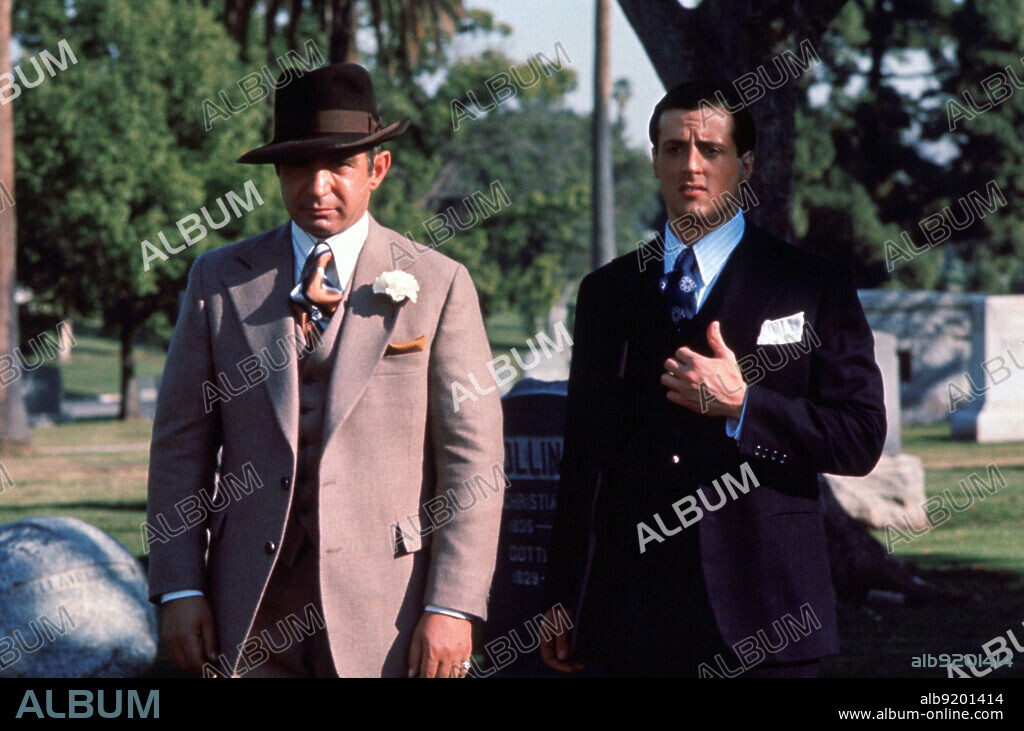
680 286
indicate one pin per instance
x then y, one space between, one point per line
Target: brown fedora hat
332 109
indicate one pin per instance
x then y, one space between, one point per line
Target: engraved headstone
73 603
534 418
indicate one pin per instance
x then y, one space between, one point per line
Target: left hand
440 645
723 385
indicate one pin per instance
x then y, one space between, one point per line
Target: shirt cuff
450 612
171 595
733 426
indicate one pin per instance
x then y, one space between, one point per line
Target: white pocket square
788 329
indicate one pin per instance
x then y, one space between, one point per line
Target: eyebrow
669 140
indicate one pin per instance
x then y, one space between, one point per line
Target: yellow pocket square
412 346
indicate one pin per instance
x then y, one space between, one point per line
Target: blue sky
539 24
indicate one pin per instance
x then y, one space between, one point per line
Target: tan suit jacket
392 440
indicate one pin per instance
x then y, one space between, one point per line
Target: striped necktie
315 298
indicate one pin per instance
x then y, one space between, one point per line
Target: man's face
328 194
697 162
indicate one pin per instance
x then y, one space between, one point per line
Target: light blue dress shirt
711 252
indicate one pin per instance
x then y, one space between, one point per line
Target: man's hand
440 645
554 649
189 634
712 386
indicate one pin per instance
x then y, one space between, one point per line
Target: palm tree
404 28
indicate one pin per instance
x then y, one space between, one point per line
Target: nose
321 182
693 160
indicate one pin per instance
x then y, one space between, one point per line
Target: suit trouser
290 592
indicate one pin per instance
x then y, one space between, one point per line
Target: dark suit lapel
260 296
368 321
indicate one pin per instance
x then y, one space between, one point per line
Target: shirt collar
345 246
711 250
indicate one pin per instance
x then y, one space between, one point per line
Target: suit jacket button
286 482
270 547
675 459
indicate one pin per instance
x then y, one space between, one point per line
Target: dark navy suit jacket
814 406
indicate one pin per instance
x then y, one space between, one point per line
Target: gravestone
989 406
534 413
44 396
894 490
148 388
73 603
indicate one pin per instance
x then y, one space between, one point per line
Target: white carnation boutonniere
397 285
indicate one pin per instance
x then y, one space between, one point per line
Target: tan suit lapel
368 321
260 296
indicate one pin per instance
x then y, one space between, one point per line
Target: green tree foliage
879 156
987 37
113 151
535 238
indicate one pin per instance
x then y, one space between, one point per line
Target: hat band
340 121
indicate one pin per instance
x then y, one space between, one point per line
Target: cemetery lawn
96 471
95 364
979 552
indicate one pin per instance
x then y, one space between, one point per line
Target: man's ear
747 163
381 165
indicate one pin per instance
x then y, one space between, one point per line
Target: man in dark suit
712 379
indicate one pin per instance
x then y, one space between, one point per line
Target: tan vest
314 376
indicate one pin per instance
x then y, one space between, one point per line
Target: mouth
692 189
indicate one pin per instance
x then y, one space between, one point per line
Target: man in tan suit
297 366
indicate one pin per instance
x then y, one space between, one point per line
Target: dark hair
693 95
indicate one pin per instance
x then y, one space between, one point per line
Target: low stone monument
73 603
894 491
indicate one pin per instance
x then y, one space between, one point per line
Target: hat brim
294 151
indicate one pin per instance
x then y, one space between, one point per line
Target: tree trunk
292 30
237 15
129 386
14 432
603 198
341 24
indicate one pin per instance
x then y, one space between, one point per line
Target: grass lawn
95 369
979 551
